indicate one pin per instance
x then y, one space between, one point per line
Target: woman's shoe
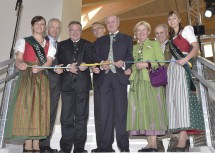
25 150
153 150
34 150
144 150
187 145
179 149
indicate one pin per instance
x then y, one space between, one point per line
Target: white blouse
188 34
20 47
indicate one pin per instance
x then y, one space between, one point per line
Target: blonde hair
146 24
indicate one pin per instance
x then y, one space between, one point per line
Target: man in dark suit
75 85
115 48
98 31
54 28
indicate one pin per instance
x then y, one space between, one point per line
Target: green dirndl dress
29 111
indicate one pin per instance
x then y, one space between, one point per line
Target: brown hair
36 19
172 32
75 22
97 23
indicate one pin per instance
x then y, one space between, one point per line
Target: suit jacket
53 77
67 55
167 54
122 50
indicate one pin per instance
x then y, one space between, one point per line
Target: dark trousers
55 91
97 112
114 105
74 116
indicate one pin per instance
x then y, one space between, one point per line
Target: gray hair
54 20
162 25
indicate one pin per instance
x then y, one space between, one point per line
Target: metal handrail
8 80
6 62
204 86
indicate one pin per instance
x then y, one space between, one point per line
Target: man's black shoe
101 150
125 150
95 150
80 151
48 149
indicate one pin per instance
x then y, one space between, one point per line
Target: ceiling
98 10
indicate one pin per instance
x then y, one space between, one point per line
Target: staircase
135 142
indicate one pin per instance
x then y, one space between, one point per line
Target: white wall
46 8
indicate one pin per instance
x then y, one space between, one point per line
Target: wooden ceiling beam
115 8
87 3
152 15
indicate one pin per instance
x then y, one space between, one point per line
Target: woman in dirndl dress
146 104
29 111
184 109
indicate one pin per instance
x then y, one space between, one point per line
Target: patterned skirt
146 109
29 111
184 109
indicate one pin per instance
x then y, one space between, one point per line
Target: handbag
158 76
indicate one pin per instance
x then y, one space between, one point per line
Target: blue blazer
122 50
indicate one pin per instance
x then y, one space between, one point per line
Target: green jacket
151 51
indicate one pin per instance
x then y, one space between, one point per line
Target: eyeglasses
74 31
97 29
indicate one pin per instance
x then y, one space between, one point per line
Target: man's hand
59 70
106 66
82 68
119 64
95 70
73 68
127 72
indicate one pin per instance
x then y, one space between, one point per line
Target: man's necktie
110 55
54 44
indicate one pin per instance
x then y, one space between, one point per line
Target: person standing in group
146 104
29 113
75 86
54 28
115 48
162 34
98 30
184 112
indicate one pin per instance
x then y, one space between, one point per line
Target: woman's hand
182 61
21 66
141 65
35 69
